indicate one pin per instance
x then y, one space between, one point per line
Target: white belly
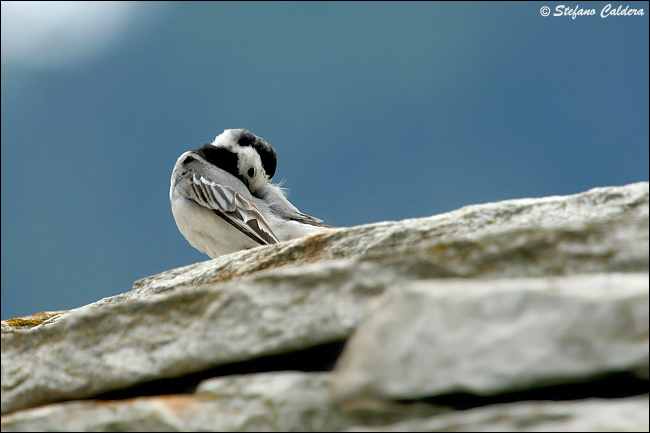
206 232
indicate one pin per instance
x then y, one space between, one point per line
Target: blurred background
377 111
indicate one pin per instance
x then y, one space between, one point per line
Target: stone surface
624 415
92 350
283 401
603 229
308 291
436 337
30 321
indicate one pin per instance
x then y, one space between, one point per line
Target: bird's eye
251 172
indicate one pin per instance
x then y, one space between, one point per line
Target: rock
604 229
114 345
30 321
309 291
487 337
282 401
629 414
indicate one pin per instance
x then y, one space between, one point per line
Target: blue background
378 111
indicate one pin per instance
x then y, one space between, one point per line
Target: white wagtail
222 200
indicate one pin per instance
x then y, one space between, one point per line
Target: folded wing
236 210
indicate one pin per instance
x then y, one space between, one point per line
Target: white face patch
249 162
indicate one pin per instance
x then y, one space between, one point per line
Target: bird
222 199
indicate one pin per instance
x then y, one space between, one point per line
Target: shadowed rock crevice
318 358
610 386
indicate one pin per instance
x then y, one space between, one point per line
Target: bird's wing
276 197
238 211
310 220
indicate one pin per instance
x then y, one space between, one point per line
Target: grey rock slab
91 350
624 415
282 401
603 229
487 337
308 291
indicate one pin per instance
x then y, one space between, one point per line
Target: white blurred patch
51 34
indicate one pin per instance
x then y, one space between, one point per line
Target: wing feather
235 209
275 195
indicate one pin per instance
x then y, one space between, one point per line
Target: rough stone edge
31 321
347 386
260 396
576 415
305 250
